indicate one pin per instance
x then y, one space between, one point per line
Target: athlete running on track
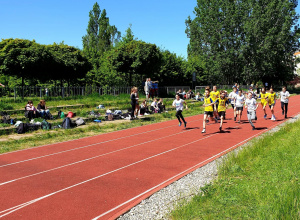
284 98
251 106
239 103
222 103
178 104
214 96
272 102
264 100
232 97
208 108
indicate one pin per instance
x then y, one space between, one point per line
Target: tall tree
244 40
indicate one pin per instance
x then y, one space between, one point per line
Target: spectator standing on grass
137 107
42 109
284 98
133 99
147 89
151 89
30 110
178 104
155 88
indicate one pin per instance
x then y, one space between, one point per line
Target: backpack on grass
45 125
79 121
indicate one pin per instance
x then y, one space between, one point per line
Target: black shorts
232 105
270 106
239 109
222 113
209 114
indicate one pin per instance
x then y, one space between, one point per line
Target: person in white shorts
178 104
232 97
284 98
251 106
239 103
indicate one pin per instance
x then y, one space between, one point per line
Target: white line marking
91 158
103 142
20 206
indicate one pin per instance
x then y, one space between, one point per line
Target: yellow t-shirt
214 95
272 97
208 101
264 97
222 104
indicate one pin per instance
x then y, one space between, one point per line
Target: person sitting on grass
161 105
144 109
43 110
30 110
154 107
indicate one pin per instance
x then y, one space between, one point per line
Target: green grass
262 181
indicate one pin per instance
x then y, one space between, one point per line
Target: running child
264 100
239 103
284 98
222 103
178 104
208 109
251 106
214 96
272 102
232 96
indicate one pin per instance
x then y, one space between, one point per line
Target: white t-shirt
239 100
178 104
251 103
154 104
284 96
232 96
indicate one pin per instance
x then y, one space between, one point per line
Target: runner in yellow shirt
222 103
264 100
272 102
214 96
208 109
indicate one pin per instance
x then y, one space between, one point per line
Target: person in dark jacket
134 98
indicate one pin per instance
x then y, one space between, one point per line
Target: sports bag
66 123
45 125
79 121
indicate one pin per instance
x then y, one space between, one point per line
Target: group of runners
216 103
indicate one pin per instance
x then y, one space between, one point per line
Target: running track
103 176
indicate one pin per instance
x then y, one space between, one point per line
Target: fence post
82 91
63 92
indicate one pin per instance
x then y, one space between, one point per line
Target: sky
161 22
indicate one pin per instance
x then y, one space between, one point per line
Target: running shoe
285 116
234 118
220 128
253 128
179 124
203 131
265 116
185 124
282 112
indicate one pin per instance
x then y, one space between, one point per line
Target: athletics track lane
96 187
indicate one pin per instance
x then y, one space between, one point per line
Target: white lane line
78 148
20 206
187 170
91 158
97 135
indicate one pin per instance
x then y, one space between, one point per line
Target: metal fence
41 92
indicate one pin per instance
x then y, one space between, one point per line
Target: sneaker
207 120
220 128
282 112
265 116
274 119
185 124
179 124
203 131
253 128
285 116
234 118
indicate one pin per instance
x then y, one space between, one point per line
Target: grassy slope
261 182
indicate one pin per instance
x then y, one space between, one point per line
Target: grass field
262 181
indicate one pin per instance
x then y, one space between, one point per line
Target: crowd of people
216 103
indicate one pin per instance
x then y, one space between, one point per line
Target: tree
244 40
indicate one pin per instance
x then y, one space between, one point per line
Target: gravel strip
160 204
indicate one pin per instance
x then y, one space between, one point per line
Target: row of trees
241 41
244 40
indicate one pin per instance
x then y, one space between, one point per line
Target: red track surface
105 175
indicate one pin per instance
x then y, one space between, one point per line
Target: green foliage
244 41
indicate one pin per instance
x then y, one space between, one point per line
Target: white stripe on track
78 148
20 206
187 170
91 158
